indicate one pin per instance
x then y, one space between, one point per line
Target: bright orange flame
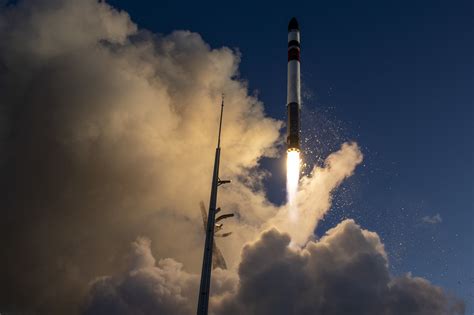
292 179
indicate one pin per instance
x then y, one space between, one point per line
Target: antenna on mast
220 122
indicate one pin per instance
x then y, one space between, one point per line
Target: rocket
293 101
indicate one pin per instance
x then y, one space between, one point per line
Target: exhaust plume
292 180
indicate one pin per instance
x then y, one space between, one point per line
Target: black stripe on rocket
293 53
293 137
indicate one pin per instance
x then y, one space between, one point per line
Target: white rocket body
293 101
294 82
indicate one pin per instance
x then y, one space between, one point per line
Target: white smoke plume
164 288
346 272
314 197
108 132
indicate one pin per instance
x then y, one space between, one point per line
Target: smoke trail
292 179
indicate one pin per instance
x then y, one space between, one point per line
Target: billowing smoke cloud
147 288
150 288
314 197
108 132
346 272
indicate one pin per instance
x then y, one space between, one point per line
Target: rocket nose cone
293 25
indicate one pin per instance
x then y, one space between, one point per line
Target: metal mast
203 302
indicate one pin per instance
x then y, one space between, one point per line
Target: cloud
435 219
108 132
346 272
148 288
163 288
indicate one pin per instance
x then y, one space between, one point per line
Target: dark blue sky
395 76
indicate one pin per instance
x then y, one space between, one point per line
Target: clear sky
394 76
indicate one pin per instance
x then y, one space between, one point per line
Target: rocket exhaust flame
292 179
